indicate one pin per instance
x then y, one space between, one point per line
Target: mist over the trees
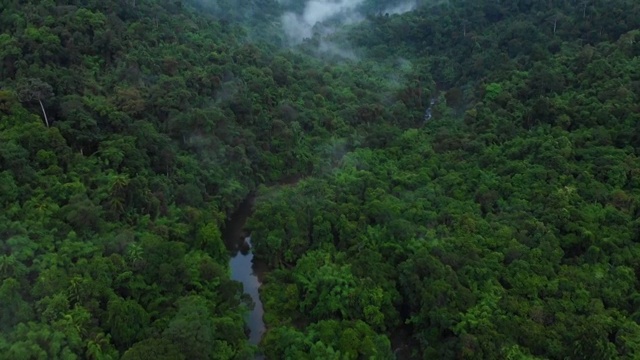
424 179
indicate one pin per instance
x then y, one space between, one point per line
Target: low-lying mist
289 23
324 17
299 26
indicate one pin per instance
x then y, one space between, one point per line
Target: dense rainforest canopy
502 226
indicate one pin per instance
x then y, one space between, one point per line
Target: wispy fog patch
327 47
299 26
318 11
319 19
402 7
404 65
228 90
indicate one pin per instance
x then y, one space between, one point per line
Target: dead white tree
32 90
584 4
554 19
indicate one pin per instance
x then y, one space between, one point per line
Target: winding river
243 267
250 272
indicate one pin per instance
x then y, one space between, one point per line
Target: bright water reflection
242 270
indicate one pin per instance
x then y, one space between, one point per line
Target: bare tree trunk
555 23
46 120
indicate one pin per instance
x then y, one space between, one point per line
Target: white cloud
402 8
325 17
297 27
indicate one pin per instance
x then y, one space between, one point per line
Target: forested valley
433 179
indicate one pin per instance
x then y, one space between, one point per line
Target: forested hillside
504 227
129 130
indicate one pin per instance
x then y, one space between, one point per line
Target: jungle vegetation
504 227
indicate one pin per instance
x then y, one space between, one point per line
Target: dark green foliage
500 232
504 227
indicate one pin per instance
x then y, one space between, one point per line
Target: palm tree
135 255
96 346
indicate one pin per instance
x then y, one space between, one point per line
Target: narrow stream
250 272
243 268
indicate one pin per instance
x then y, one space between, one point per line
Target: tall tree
35 90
